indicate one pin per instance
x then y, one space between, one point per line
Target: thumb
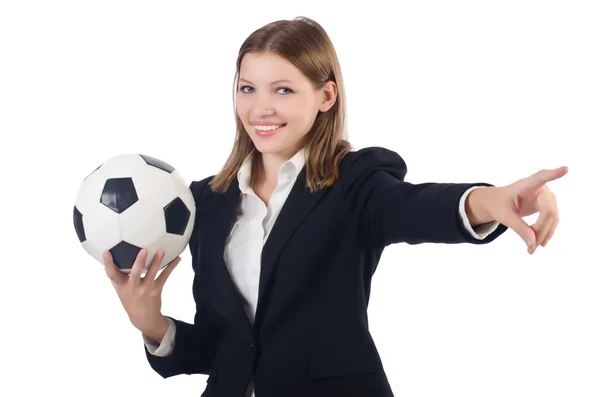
526 232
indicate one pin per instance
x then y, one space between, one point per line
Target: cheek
239 108
304 122
243 114
242 104
296 113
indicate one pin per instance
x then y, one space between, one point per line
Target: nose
264 105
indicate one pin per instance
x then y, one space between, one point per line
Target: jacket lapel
224 208
295 209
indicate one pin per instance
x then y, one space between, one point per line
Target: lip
265 123
268 133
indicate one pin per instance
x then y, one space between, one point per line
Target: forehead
265 68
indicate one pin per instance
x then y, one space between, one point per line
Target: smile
267 130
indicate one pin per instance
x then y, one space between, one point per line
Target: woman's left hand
510 204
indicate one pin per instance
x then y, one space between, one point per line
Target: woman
289 233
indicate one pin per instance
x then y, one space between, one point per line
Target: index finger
545 176
138 267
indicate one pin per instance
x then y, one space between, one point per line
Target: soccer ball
130 202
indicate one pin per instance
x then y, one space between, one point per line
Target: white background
465 91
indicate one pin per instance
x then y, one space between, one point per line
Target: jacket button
251 345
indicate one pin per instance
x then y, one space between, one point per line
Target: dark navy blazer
311 335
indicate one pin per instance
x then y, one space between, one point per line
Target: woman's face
278 104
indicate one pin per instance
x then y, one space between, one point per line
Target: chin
268 149
266 146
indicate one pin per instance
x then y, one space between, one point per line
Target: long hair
306 45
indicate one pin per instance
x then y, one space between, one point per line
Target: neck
270 165
269 168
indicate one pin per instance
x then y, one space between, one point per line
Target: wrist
476 205
157 329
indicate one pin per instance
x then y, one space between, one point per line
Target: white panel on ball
178 178
143 223
102 227
154 184
122 166
94 251
172 244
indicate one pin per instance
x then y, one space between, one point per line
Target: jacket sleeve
193 347
193 350
390 210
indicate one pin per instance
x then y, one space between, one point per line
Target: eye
242 88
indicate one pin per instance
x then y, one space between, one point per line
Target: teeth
267 127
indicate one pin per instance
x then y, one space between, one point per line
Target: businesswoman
289 233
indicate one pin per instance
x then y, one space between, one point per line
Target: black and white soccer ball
130 202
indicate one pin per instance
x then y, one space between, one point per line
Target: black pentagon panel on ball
124 255
78 223
119 194
177 216
157 163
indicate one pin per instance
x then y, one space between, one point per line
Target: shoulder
368 161
202 192
201 187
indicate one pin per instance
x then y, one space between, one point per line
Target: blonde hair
306 45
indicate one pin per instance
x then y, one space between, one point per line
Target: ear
329 96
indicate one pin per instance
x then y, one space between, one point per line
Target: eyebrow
272 83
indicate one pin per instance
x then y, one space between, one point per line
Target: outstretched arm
390 210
